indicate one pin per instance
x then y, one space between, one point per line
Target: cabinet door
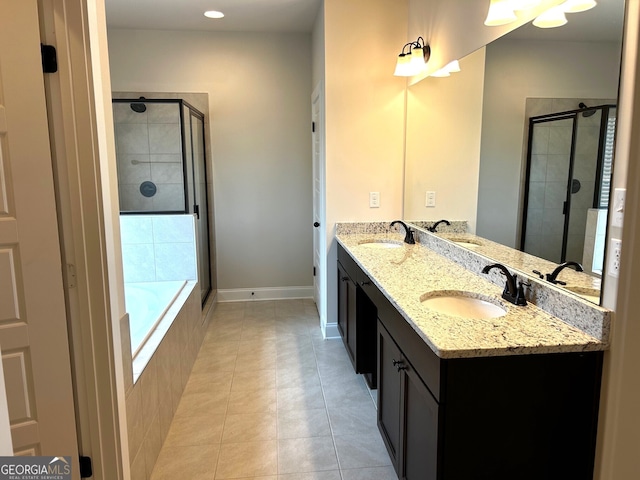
389 391
347 311
343 299
420 428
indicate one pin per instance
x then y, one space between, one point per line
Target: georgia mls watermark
35 468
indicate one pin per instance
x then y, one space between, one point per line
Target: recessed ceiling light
213 14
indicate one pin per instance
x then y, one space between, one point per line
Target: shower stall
567 186
164 206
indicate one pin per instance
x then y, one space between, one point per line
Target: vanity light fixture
554 17
414 61
213 14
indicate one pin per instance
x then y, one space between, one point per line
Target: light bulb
554 17
500 13
575 6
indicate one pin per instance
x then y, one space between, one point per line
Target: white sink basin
381 244
461 304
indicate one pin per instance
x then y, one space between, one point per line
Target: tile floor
269 399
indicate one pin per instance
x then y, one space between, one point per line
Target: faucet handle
520 297
539 273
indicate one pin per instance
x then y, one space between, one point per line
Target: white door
319 250
33 329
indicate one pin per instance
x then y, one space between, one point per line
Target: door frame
83 151
319 202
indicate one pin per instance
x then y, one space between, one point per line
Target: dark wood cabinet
408 415
357 318
525 417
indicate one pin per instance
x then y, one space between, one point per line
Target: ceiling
240 15
603 23
600 24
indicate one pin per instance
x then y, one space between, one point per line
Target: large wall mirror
520 142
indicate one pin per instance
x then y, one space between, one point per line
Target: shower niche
162 167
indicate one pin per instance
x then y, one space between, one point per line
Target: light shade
453 67
417 59
403 66
554 17
443 72
575 6
524 4
500 13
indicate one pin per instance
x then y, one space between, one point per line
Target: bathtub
147 303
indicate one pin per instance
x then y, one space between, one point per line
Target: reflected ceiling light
500 13
575 6
524 4
213 14
415 60
554 17
447 70
453 67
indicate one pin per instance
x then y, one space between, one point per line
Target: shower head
587 111
138 107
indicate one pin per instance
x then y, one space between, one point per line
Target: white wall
517 70
259 88
444 120
364 116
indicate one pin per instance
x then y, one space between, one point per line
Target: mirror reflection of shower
568 179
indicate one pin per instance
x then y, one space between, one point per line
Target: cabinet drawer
426 363
349 264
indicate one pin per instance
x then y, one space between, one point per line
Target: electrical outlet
374 199
430 200
615 247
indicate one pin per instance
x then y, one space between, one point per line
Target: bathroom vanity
509 397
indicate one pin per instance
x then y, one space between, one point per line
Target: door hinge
86 468
71 275
49 58
313 127
196 210
314 271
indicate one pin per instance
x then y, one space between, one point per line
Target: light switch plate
430 200
617 211
374 199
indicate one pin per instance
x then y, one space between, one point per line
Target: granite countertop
410 272
526 263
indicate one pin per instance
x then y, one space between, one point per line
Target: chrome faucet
513 290
433 227
408 236
551 277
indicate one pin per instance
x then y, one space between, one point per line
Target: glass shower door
546 196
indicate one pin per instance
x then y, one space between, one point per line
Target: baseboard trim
266 293
331 330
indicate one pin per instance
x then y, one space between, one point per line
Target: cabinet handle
399 364
344 279
365 283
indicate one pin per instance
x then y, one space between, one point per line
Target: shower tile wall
158 248
149 148
551 148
